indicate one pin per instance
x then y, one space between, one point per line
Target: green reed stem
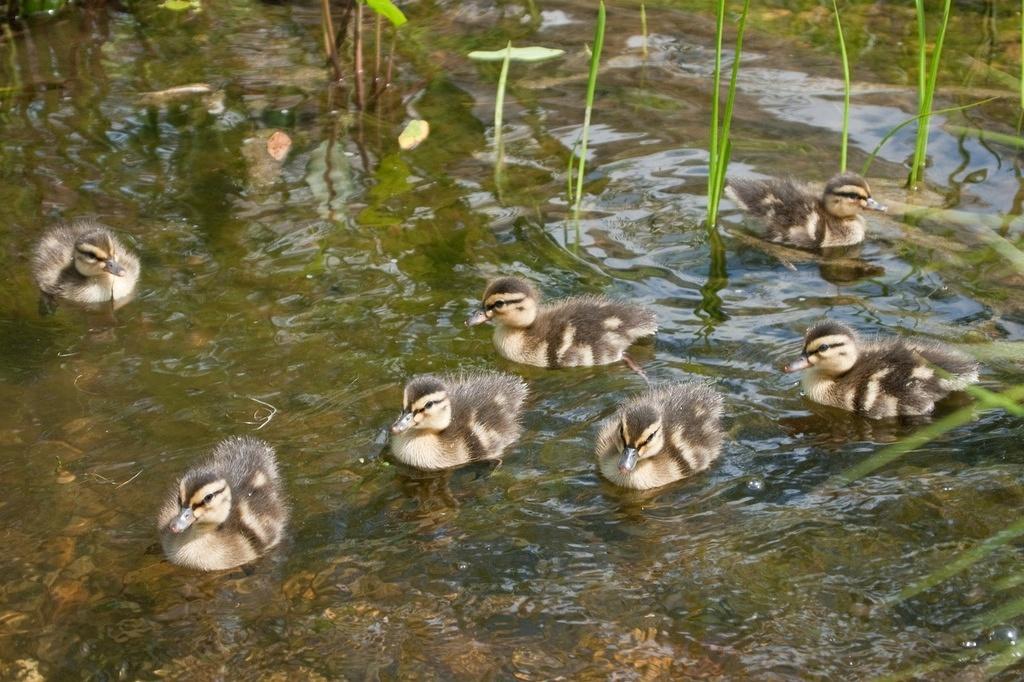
499 108
720 145
643 32
1022 54
888 136
595 61
716 87
846 89
926 86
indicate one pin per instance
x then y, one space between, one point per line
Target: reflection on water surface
320 285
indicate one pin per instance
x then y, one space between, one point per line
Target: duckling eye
429 404
822 348
208 498
498 305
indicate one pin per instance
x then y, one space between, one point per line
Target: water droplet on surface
969 644
755 485
1004 633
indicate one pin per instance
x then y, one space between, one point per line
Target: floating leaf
415 132
278 145
387 9
517 54
176 5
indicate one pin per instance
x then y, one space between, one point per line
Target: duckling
883 378
579 331
227 510
451 420
797 217
661 436
84 263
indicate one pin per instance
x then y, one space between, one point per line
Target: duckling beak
628 460
183 520
796 365
874 205
479 317
403 423
113 267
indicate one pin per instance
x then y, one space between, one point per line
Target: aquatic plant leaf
415 132
176 5
517 54
387 9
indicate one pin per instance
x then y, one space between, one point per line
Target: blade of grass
643 32
919 438
846 90
499 109
888 136
1003 613
722 146
595 60
926 86
716 86
961 562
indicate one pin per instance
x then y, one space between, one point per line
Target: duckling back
577 332
485 420
681 422
895 377
258 512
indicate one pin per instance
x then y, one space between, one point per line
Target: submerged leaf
387 9
517 54
176 5
415 132
278 145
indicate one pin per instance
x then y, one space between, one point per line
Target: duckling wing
782 203
594 330
486 409
250 467
692 414
957 370
895 378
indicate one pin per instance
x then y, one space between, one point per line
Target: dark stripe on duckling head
638 421
421 387
204 494
825 328
499 301
510 286
848 185
97 245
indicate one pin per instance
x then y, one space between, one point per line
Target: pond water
319 285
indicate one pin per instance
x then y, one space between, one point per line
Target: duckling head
204 499
641 433
425 406
830 348
94 256
508 301
847 194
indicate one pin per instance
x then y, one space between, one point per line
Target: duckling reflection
227 510
84 263
836 264
575 332
879 378
797 217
